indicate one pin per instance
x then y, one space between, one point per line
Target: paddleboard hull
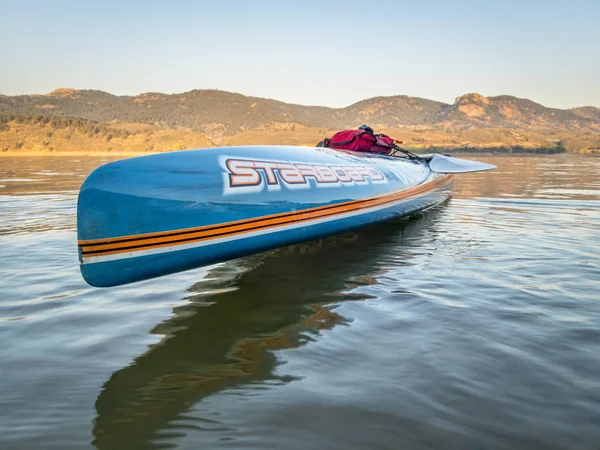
149 216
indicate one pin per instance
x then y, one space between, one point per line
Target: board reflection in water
236 318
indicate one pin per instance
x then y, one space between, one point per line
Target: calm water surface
473 326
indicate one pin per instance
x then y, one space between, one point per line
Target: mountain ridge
220 114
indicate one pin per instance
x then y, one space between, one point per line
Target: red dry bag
361 140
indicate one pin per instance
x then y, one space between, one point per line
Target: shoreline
132 154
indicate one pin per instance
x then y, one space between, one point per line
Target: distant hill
589 112
219 114
218 117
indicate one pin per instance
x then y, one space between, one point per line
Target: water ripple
474 325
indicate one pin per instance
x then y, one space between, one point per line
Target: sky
330 53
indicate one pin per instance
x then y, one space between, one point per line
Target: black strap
406 152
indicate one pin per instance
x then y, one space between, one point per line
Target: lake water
473 326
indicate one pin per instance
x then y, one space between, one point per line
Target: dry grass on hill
61 135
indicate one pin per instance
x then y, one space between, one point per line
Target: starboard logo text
245 175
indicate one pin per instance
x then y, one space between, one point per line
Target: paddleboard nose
449 164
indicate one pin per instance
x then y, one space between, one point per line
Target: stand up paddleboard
149 216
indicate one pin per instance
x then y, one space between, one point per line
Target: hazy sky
310 52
